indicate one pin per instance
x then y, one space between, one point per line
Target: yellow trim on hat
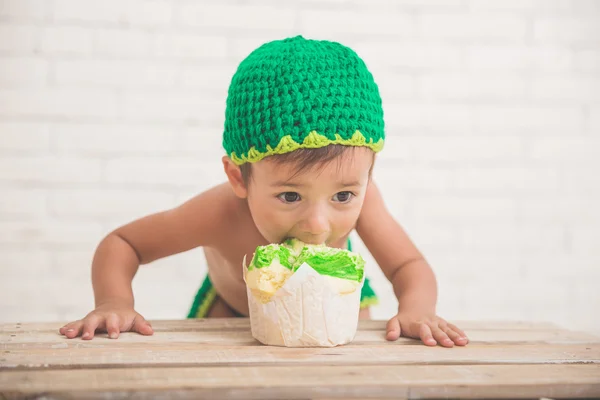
312 141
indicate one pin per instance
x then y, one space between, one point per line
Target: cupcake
303 295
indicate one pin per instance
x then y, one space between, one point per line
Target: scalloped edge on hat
313 140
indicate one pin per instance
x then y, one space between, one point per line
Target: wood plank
193 325
274 382
116 354
51 338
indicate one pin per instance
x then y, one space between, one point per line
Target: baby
303 124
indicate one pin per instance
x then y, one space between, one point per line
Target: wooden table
219 358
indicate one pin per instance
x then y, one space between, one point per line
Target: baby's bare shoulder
229 213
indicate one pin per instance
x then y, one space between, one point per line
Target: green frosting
337 263
265 255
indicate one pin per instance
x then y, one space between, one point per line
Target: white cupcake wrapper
305 312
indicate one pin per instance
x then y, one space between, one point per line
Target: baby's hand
431 329
113 318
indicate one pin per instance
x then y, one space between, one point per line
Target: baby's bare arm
198 222
410 274
397 256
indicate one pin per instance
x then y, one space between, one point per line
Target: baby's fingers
142 326
90 324
112 326
426 336
441 336
457 335
72 329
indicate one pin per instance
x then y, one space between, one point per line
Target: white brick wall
110 110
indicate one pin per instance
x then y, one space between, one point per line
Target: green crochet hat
299 93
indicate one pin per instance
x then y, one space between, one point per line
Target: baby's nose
317 224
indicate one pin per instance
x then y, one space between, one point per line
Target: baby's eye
289 197
343 197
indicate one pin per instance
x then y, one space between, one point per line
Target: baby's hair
304 159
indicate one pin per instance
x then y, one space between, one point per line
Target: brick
372 23
50 170
459 264
473 26
564 208
310 4
35 294
583 303
413 179
18 203
22 265
456 149
124 43
537 6
65 103
243 17
462 86
560 265
572 150
15 310
24 136
240 46
512 294
23 9
134 12
584 239
66 39
50 232
203 141
90 11
173 171
594 119
23 72
566 88
391 4
73 264
140 106
498 237
474 209
425 4
566 29
587 60
549 57
98 203
411 54
190 46
432 116
433 238
114 139
518 57
216 77
586 7
580 178
524 179
156 12
394 86
119 73
500 118
18 39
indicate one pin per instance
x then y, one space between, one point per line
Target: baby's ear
234 175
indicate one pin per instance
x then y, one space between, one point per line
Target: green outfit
298 93
206 296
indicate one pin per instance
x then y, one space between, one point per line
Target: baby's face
317 205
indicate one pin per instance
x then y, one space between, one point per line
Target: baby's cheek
346 221
274 226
